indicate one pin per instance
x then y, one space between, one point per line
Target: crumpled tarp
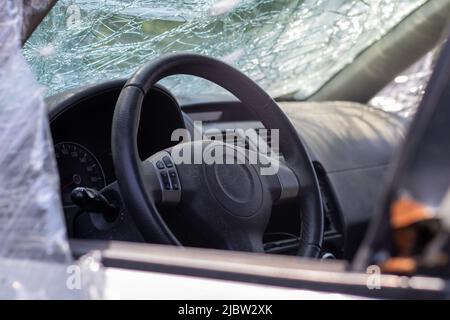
34 251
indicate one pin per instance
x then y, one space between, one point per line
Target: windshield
287 47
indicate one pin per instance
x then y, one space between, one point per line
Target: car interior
351 146
341 152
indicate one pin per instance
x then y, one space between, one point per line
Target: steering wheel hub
237 187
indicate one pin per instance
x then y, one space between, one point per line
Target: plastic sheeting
34 252
286 46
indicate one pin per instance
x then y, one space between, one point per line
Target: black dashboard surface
351 146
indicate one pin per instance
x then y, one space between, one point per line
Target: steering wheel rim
128 166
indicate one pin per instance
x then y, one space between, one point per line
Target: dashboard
351 146
81 134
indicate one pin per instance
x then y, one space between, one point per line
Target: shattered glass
34 250
403 95
285 46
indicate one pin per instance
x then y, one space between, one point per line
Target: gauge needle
67 185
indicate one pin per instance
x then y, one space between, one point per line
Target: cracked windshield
290 48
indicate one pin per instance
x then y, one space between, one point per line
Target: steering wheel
230 205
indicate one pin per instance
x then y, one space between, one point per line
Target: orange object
406 211
404 265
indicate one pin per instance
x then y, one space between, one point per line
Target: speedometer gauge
77 167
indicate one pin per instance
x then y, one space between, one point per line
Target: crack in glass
285 46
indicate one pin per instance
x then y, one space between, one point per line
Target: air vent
267 137
236 138
333 236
